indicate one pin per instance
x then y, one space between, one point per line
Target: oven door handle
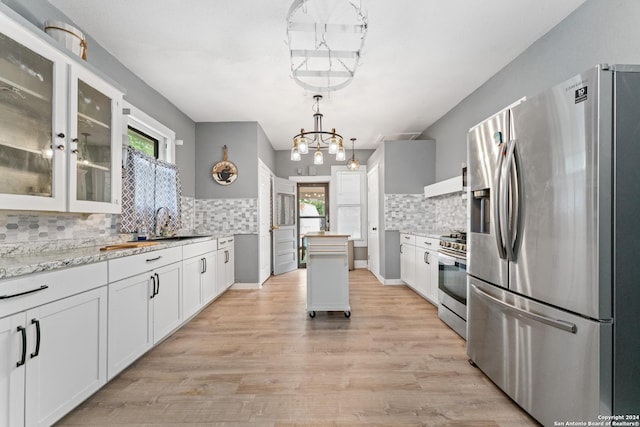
449 259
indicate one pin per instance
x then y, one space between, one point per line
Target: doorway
313 214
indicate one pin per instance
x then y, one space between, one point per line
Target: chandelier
317 140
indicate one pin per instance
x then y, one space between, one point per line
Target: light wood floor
254 358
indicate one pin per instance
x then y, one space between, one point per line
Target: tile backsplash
234 216
416 212
25 232
408 212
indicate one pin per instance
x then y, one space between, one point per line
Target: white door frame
285 236
373 221
265 176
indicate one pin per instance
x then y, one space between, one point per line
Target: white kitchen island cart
327 273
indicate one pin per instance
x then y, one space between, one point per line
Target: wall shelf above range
447 186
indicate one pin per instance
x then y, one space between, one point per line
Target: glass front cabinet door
60 133
95 156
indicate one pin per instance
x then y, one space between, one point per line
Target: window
147 135
349 203
142 142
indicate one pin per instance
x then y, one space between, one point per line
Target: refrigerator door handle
509 205
516 200
497 221
556 323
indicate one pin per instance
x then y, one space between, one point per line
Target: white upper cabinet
60 133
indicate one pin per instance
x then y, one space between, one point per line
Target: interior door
285 256
373 221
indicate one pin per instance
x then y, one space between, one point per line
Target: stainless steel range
452 282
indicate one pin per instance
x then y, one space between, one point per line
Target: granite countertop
27 263
435 234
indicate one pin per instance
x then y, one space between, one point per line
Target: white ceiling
221 60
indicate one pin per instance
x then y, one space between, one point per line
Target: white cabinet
419 265
408 259
145 303
12 369
328 273
225 267
53 354
199 276
60 142
426 261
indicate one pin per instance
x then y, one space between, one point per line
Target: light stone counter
18 264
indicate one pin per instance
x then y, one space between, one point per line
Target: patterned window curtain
149 184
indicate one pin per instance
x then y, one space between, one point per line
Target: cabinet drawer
41 288
199 248
427 243
225 242
407 239
120 268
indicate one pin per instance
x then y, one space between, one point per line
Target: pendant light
353 164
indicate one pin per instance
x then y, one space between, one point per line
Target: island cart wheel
312 314
347 314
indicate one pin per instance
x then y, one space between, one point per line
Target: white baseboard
393 282
360 263
246 286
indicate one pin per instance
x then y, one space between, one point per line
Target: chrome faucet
163 217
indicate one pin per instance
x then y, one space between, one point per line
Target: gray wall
286 168
241 139
600 31
266 153
409 166
138 92
247 258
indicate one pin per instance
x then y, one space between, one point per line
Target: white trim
393 282
452 185
244 286
140 120
360 263
313 179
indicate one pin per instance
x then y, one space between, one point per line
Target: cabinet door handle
41 288
427 243
37 350
153 259
400 247
204 265
153 291
158 280
226 257
23 358
426 257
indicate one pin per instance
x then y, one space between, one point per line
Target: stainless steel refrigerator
554 248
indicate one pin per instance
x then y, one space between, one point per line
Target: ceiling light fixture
353 164
317 139
325 39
